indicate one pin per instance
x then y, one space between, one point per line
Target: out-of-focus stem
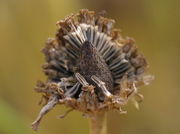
98 124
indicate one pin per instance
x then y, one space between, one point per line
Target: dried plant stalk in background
91 68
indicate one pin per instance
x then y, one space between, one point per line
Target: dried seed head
90 67
91 63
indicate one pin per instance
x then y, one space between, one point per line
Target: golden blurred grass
26 24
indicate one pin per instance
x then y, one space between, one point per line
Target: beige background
26 24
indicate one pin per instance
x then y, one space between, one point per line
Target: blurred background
26 24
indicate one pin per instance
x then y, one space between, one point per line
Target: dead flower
90 67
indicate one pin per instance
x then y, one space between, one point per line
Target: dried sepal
50 104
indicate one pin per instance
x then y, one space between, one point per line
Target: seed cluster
90 67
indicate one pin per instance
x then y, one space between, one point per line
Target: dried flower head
90 67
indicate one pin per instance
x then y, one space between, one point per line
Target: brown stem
98 124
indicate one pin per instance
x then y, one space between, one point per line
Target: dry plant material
90 67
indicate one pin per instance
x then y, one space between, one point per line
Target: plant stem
98 124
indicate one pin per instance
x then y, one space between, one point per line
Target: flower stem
98 124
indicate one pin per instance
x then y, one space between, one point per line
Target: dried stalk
98 124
